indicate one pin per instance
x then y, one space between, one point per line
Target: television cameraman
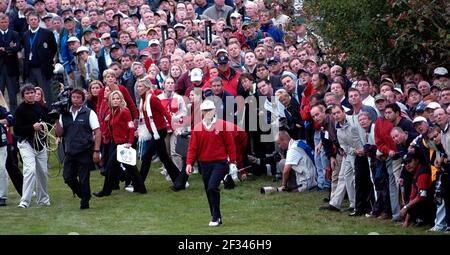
80 130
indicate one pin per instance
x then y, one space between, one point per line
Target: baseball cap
207 105
235 15
69 18
222 60
196 74
435 87
78 10
421 107
380 97
179 25
73 39
227 28
115 46
131 44
399 90
433 105
82 49
66 10
273 59
153 41
413 89
88 30
221 51
387 80
407 158
310 60
419 119
440 71
102 22
37 1
247 23
152 29
48 16
105 35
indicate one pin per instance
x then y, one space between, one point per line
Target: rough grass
162 211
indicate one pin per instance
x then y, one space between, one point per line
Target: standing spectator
121 131
40 50
9 63
29 118
6 120
211 145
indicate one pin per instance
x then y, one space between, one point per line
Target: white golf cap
82 49
221 51
153 41
399 90
207 105
73 39
196 74
440 71
433 105
419 119
235 15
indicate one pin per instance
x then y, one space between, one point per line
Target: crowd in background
145 67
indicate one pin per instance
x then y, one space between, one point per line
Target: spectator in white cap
87 65
441 77
429 111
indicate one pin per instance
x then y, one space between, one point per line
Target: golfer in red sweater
212 146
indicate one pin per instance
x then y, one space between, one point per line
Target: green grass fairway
162 211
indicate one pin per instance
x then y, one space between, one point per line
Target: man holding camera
81 147
299 172
30 130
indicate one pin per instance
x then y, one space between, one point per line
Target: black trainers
329 208
2 202
84 204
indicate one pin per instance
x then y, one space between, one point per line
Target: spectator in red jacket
121 130
155 118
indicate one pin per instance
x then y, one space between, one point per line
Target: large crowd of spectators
379 141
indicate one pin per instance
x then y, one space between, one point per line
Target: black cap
227 28
66 10
69 18
78 10
115 46
222 60
407 158
273 59
48 16
301 70
131 44
413 89
37 1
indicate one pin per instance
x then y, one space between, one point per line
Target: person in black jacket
40 49
29 120
6 119
9 63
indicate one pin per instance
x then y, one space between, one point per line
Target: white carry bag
126 155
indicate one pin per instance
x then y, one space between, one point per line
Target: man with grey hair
218 10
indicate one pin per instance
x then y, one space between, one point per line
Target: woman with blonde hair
121 129
110 80
156 119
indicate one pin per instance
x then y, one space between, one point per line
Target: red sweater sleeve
380 140
157 106
193 146
129 101
101 96
128 121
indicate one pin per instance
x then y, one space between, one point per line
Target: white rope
45 138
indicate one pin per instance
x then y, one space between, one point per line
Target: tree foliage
398 33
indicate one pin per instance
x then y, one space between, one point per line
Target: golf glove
234 172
